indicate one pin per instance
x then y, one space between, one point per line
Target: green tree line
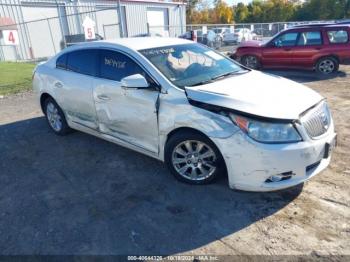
258 11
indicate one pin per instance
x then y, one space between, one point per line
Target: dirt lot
81 195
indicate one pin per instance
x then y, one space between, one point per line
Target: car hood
258 94
252 43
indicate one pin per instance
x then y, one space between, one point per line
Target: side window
83 61
115 66
61 62
310 38
338 37
287 39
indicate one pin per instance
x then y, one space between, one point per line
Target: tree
241 13
223 13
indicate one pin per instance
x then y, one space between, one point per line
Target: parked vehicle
185 104
238 36
320 47
210 38
221 32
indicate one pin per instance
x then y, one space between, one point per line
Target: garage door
45 36
158 22
107 23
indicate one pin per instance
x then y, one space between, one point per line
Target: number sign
10 37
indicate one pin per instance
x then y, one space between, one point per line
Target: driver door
279 52
129 114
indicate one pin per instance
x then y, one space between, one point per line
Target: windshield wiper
228 74
219 77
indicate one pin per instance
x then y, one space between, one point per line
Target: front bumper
250 164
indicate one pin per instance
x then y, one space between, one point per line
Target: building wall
41 32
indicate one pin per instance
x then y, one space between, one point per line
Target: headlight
267 132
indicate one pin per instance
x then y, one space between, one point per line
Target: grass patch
15 77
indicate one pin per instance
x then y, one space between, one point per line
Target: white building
43 25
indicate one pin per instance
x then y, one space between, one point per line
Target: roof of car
307 26
139 43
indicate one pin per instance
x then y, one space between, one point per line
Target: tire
55 117
188 164
327 65
251 61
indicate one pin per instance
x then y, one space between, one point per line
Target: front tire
327 65
55 117
250 61
194 159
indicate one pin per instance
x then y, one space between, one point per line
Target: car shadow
81 195
304 76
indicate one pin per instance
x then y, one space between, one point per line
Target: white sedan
185 104
238 36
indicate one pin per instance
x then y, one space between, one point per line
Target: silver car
185 104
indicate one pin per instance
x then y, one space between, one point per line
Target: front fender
175 113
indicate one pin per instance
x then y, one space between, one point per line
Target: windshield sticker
159 51
114 63
214 55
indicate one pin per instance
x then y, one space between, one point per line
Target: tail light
194 36
33 74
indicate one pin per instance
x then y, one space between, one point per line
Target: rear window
310 38
61 62
338 36
83 61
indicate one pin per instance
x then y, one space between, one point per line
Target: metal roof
6 23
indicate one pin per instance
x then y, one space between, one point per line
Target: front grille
317 120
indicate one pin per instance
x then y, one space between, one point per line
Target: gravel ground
81 195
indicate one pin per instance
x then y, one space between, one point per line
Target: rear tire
193 158
327 65
251 61
55 117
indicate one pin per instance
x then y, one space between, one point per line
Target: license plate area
329 147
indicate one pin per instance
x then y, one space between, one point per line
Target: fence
44 38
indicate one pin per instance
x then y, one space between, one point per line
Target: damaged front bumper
251 166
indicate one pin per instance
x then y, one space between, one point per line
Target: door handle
58 85
318 48
287 49
103 97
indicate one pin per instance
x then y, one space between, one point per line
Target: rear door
338 39
73 88
279 52
308 47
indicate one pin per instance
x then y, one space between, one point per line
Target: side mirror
134 81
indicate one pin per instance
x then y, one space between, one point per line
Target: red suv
320 47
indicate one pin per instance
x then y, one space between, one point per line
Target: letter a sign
89 28
10 37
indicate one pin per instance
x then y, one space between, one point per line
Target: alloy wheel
54 117
251 62
194 160
326 66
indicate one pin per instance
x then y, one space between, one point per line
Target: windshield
191 64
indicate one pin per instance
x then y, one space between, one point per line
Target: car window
338 37
287 39
61 62
83 61
310 38
115 66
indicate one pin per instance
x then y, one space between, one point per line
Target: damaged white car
185 104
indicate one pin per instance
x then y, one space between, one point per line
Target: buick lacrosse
187 105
